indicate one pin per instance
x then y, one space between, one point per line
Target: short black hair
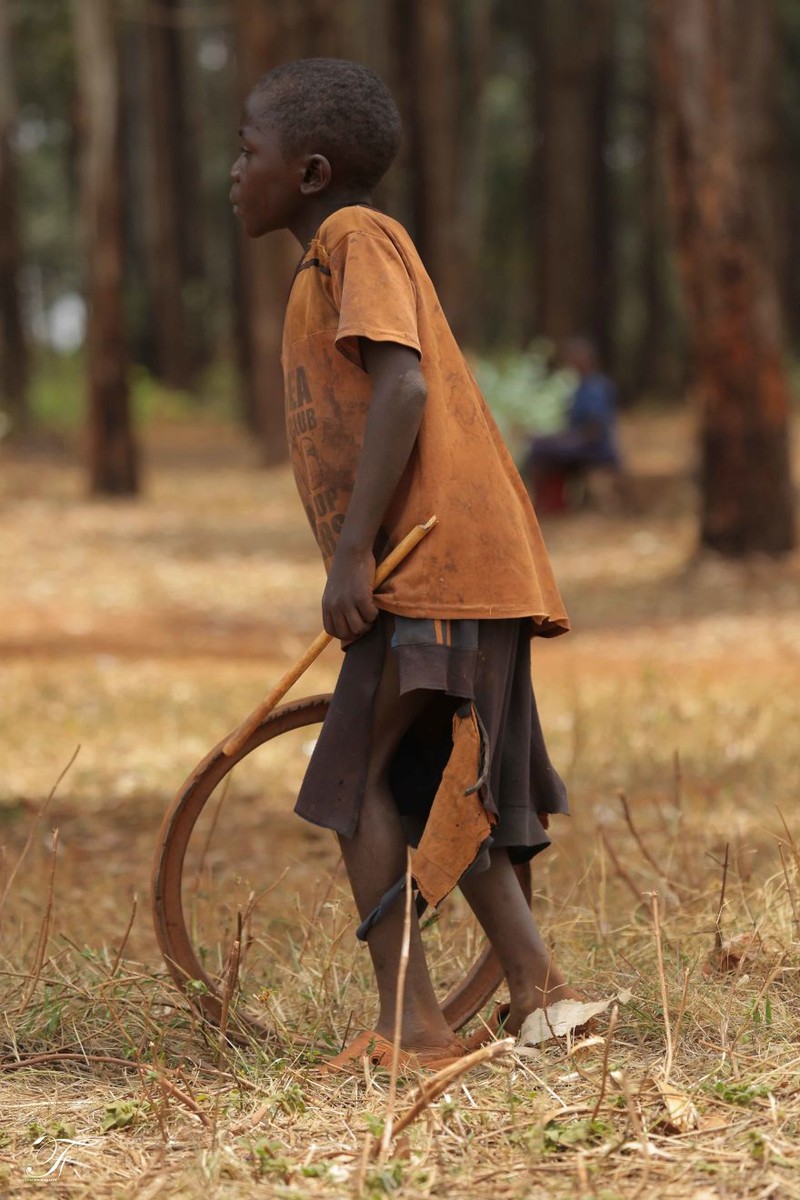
333 107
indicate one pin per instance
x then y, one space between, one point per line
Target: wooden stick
248 727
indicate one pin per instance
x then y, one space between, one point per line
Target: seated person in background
590 437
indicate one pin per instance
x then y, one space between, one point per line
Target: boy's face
267 190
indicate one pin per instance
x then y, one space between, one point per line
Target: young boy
433 730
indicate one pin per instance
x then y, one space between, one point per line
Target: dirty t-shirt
362 277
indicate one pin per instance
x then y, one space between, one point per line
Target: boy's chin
260 228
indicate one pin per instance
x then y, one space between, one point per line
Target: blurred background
622 170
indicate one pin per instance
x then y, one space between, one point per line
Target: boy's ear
317 175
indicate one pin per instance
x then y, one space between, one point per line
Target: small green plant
121 1114
291 1100
270 1159
738 1091
385 1180
374 1124
585 1132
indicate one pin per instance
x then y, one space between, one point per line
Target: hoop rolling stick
239 736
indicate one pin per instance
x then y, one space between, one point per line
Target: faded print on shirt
362 277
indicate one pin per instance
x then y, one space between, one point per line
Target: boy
433 726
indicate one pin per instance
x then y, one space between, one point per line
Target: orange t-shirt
361 276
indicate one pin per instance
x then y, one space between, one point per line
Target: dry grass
144 633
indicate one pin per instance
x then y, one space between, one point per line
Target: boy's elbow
413 391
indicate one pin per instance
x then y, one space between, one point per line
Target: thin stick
448 1075
790 839
405 948
612 1025
183 1098
637 837
59 1056
790 890
718 918
254 1119
248 727
623 874
663 982
677 779
125 936
229 980
34 827
682 1006
44 932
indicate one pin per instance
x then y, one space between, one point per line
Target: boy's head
333 107
318 124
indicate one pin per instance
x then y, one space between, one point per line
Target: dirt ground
143 632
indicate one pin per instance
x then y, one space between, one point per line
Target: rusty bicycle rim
464 1000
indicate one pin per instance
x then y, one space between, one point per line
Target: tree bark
14 365
730 291
264 267
470 211
571 42
165 203
763 124
654 355
113 458
424 76
435 145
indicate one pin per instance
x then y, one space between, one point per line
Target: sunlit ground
144 632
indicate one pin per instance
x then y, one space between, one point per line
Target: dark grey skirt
487 662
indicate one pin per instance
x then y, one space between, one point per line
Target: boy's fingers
348 621
345 624
367 610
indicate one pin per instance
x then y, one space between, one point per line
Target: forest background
612 168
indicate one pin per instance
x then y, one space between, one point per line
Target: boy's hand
348 609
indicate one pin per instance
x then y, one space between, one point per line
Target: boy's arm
398 398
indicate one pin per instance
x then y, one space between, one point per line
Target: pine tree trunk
470 194
264 268
162 193
424 79
763 122
730 291
112 450
571 42
435 147
650 370
13 343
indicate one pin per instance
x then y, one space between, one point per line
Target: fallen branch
431 1090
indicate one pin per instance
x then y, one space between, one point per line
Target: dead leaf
557 1020
732 954
586 1043
681 1114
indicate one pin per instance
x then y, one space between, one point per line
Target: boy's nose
235 171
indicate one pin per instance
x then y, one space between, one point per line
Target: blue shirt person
590 437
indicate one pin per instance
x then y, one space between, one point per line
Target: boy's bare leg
497 900
375 858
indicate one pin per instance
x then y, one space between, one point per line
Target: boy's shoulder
355 219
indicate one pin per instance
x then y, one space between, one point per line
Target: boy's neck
307 222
